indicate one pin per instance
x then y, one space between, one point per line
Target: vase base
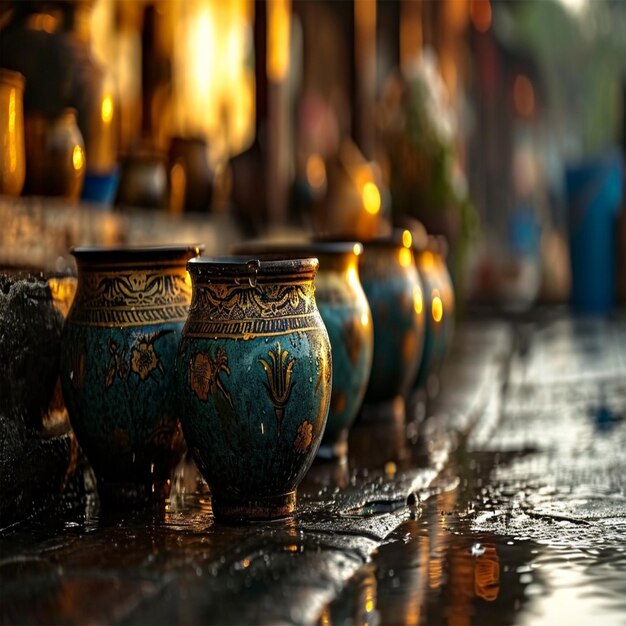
334 451
262 509
126 495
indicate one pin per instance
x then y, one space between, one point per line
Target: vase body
346 314
439 312
394 292
191 178
117 366
55 155
254 378
143 181
12 160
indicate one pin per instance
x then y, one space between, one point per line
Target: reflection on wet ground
531 527
522 523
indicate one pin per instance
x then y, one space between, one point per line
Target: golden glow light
353 277
278 39
407 239
11 137
107 109
357 249
365 319
427 261
78 158
371 198
436 306
315 171
418 300
212 76
404 257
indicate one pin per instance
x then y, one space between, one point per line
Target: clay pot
55 155
12 160
117 366
143 181
191 178
439 311
254 379
396 298
346 315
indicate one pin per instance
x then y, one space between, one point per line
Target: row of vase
259 362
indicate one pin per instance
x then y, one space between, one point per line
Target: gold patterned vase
117 366
254 378
346 315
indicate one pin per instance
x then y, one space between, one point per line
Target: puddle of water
471 559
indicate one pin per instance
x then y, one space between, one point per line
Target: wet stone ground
531 526
502 503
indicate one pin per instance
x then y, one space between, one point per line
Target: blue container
594 192
100 188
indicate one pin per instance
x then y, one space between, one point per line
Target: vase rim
302 248
248 265
391 240
136 253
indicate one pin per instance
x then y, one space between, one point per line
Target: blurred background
498 125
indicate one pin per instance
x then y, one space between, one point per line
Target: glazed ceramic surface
394 292
439 312
117 365
254 375
346 315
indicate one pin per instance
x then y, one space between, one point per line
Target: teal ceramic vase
439 313
346 315
395 295
254 378
118 357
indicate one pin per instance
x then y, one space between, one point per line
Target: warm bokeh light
427 261
353 276
107 109
213 78
523 96
480 14
371 198
418 300
10 139
405 258
357 249
43 22
407 239
278 39
365 319
315 171
78 158
437 306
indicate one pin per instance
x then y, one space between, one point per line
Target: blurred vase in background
143 181
191 178
55 155
594 191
